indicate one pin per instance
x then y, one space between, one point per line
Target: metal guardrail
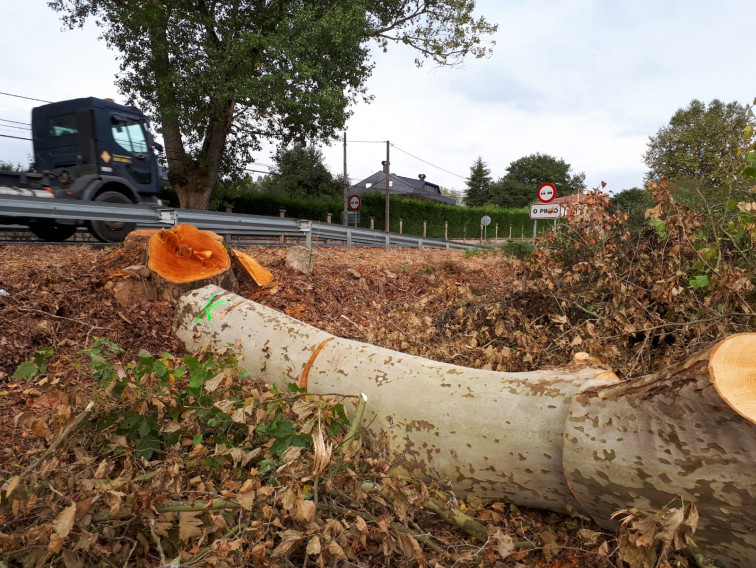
218 222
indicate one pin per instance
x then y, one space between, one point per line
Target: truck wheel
111 231
52 232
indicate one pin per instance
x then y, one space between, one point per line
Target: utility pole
386 168
346 184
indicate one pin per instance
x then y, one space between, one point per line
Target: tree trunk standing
192 178
484 432
689 432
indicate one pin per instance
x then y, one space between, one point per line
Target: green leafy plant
29 370
196 400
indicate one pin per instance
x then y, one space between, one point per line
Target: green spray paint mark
206 310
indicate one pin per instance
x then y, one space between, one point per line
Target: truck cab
83 138
92 149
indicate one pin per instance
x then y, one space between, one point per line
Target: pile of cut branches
635 302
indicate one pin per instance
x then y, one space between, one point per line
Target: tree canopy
700 146
478 184
518 188
300 172
218 76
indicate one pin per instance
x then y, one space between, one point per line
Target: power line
15 122
429 163
11 127
16 137
23 97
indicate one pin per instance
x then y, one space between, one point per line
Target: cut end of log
732 367
260 275
186 254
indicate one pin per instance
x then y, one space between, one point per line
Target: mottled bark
688 432
484 432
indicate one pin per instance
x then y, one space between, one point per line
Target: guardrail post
328 218
388 241
425 229
481 234
349 239
420 244
401 224
510 232
372 223
496 235
446 231
167 216
282 214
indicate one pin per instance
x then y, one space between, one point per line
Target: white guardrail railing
222 223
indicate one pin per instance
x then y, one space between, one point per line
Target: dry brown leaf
189 525
64 522
313 546
336 551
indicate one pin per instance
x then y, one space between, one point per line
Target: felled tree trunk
530 438
184 258
484 432
687 432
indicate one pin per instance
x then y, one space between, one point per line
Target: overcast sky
586 81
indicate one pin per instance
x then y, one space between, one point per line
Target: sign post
543 210
355 202
485 221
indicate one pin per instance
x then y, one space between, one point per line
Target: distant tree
634 202
455 194
478 184
699 147
300 172
519 187
11 167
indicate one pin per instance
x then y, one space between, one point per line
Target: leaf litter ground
251 503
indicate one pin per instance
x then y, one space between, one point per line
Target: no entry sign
354 202
547 192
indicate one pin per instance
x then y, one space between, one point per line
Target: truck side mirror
158 146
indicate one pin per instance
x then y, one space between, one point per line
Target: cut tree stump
551 439
184 258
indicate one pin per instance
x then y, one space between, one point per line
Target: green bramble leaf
698 282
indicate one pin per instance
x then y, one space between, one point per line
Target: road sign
354 202
546 193
485 220
545 211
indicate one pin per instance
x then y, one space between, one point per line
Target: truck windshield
128 134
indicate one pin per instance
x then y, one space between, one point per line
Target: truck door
130 153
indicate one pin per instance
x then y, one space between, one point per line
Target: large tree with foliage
700 146
478 184
519 187
217 76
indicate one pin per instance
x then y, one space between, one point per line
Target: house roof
401 185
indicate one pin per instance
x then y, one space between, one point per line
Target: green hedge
464 222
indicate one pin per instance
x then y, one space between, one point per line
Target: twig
157 542
133 548
355 425
54 446
174 507
700 558
460 520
